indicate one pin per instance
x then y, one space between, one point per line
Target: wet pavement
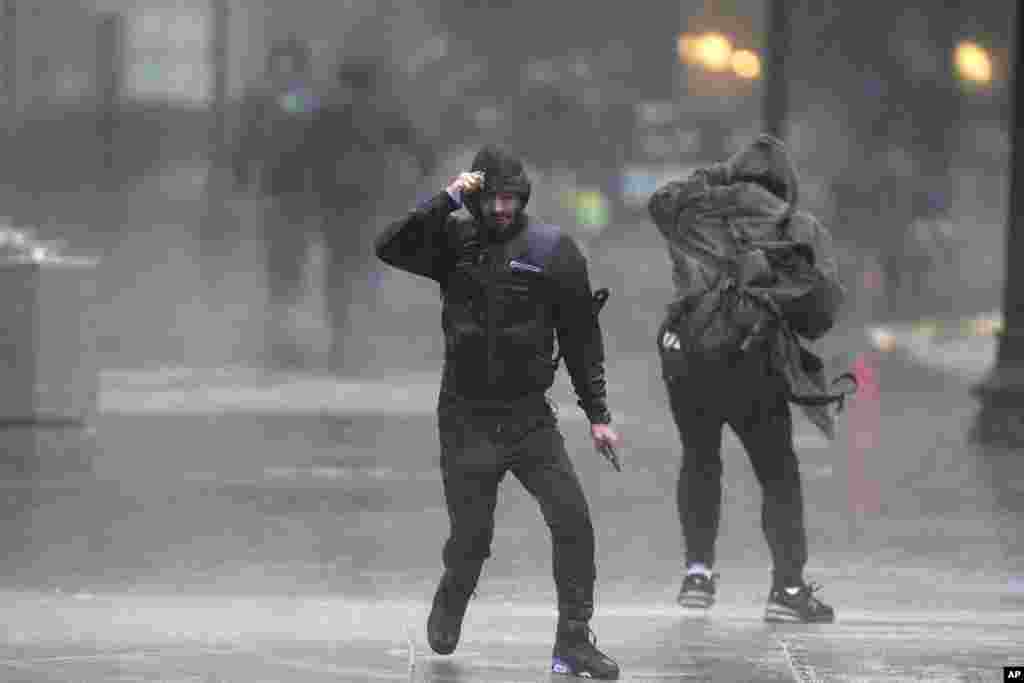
237 526
248 638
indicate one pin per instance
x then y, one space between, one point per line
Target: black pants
751 399
478 446
288 228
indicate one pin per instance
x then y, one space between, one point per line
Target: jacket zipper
492 269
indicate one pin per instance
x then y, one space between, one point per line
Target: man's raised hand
466 182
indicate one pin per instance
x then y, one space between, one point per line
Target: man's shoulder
546 243
544 233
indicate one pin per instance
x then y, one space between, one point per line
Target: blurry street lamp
8 61
110 46
1000 422
778 33
746 64
686 48
711 50
973 62
714 51
221 16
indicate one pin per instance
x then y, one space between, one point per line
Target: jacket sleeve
670 200
824 253
418 243
806 229
827 263
688 215
579 331
820 307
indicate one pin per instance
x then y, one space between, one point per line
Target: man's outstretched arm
582 345
579 332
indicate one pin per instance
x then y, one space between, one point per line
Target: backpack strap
541 240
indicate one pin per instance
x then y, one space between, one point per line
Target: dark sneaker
444 625
697 591
576 654
799 608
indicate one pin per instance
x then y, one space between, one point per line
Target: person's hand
606 441
466 182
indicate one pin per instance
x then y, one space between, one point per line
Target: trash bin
49 376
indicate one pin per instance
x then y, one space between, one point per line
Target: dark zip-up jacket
505 302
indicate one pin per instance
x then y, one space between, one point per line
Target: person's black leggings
478 446
751 399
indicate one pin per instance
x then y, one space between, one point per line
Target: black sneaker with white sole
697 591
575 653
797 605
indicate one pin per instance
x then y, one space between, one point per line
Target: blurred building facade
46 70
880 127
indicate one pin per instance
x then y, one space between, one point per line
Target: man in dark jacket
510 287
732 326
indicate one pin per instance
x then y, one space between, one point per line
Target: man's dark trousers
751 398
479 444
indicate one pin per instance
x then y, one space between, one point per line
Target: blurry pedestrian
271 155
930 251
510 287
366 154
751 274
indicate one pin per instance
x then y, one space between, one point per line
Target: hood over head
503 172
766 162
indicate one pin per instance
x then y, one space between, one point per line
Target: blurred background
229 161
259 391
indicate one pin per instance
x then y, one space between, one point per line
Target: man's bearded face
501 209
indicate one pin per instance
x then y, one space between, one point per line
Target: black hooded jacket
506 296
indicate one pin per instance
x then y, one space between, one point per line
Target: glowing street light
714 51
686 48
746 64
973 62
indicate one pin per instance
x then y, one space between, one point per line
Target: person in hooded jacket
732 231
510 286
362 149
